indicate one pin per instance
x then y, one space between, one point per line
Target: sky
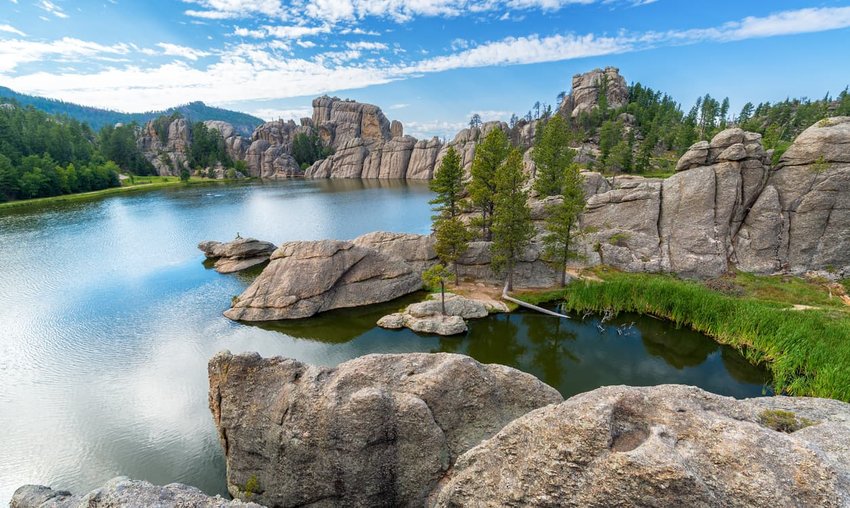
429 63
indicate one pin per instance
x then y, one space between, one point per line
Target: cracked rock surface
380 430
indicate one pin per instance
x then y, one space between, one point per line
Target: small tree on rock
512 226
437 276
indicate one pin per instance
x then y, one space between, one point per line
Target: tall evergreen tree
489 156
562 220
448 184
512 226
452 236
552 155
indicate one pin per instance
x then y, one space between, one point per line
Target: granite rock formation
305 278
121 492
584 96
380 430
662 446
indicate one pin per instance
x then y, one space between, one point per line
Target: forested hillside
98 118
44 155
652 130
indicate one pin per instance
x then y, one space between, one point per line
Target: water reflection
109 316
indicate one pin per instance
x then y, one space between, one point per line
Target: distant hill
97 118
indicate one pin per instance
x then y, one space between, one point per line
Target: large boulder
305 278
237 255
380 430
121 492
662 446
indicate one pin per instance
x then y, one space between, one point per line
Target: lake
108 317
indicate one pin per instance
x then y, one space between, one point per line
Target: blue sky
428 63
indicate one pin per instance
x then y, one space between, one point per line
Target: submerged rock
237 255
662 446
380 430
120 492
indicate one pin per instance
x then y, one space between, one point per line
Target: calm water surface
108 318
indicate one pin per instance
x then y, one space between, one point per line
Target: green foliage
552 156
252 486
783 421
512 226
806 351
448 185
119 144
185 175
490 154
98 118
619 239
307 149
562 219
434 277
451 241
161 125
208 147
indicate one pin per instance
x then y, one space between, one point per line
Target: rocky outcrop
531 271
423 159
807 199
587 87
269 153
170 155
340 121
662 446
427 317
121 492
686 224
380 430
305 278
237 255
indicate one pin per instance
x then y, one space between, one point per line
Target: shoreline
171 181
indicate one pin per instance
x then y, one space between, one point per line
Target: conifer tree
552 155
512 226
452 236
448 185
489 156
562 220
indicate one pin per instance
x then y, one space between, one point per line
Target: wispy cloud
12 30
182 51
259 71
52 8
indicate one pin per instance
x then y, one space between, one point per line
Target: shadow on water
573 356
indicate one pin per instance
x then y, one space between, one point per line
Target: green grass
807 351
142 183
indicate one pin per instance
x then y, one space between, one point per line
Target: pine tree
448 184
452 240
512 226
552 155
489 155
562 219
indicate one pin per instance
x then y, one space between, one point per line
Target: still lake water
108 318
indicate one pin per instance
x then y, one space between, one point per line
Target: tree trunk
566 256
457 276
443 296
510 278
